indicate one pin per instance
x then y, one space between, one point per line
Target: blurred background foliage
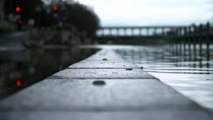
68 15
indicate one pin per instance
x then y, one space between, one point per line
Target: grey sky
151 12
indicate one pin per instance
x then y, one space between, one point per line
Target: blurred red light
55 8
18 83
18 9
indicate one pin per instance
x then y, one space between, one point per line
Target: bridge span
134 30
151 34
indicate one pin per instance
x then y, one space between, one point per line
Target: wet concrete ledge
103 86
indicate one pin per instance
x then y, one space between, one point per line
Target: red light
55 8
18 83
18 9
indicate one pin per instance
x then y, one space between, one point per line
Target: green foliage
83 18
28 7
75 14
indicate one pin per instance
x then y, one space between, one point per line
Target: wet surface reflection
19 69
188 71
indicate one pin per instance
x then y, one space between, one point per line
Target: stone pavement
101 87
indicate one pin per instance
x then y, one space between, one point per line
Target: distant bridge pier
200 41
147 31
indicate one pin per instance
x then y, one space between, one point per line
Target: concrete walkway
101 87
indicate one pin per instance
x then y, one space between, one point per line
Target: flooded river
21 68
188 71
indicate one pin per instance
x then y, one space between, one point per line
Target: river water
188 71
20 68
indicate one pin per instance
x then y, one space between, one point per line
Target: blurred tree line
73 14
83 18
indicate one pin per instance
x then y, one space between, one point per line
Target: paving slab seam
130 79
96 110
105 68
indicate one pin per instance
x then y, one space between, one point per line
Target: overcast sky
151 12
